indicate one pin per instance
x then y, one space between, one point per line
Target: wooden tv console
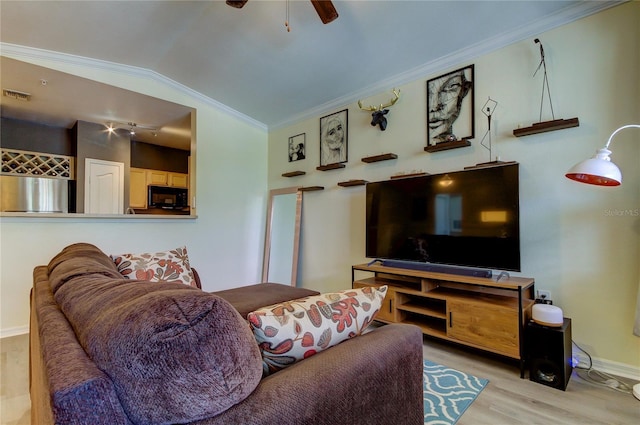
489 314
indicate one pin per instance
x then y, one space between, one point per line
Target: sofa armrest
66 387
196 278
374 378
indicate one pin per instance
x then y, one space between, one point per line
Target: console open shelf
479 312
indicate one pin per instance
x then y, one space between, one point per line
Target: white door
104 187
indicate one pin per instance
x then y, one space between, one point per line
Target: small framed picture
450 106
297 147
334 138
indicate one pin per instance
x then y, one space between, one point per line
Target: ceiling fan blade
236 3
325 10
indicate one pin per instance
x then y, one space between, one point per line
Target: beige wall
580 242
225 241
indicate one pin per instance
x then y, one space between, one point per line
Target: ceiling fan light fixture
326 11
238 4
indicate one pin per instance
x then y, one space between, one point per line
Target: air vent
15 94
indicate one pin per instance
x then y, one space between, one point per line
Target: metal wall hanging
334 138
544 126
450 110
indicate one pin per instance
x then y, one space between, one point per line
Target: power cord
601 378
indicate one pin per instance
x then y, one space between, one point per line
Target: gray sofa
108 350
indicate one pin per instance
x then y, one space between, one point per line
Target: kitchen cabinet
137 188
156 177
177 179
140 178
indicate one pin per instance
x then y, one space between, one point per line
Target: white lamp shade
598 170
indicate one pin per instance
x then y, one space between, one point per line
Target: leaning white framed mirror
282 236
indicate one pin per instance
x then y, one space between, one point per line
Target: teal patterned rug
447 393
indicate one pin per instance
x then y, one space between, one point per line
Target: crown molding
35 55
563 17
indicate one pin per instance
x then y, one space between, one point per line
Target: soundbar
437 268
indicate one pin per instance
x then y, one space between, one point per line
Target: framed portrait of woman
334 138
297 147
450 107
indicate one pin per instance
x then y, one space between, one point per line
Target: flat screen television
465 218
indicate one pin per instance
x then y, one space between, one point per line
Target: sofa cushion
246 299
294 330
174 353
80 259
163 266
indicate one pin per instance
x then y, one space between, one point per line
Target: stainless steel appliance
167 197
34 194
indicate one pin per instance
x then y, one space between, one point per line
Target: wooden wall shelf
404 176
351 183
489 164
294 174
444 146
378 158
543 127
311 188
330 167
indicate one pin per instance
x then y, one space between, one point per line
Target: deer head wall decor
379 112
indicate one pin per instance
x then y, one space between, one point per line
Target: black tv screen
465 218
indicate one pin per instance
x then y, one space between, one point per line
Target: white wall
224 243
580 242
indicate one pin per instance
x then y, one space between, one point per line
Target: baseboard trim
609 366
19 330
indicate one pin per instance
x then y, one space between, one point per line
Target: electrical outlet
544 294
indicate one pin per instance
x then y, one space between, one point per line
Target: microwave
167 197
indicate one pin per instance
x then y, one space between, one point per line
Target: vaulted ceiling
247 60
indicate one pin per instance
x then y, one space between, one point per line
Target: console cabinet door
489 326
387 311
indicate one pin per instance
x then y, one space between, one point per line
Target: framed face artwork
334 138
450 106
297 147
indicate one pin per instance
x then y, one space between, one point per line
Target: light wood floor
507 399
15 404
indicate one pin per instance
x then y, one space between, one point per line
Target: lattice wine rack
24 163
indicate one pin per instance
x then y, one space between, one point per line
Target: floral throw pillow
164 266
294 330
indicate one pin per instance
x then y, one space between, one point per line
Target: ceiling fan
325 9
